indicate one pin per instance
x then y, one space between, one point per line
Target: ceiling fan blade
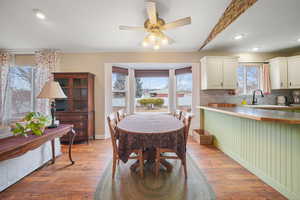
170 40
178 23
151 10
132 28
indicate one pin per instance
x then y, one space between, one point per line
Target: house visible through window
184 80
20 96
248 78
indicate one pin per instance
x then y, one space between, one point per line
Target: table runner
149 132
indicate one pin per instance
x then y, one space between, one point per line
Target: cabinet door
294 72
230 73
278 74
214 73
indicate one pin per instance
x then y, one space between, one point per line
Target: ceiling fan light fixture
156 46
152 37
164 41
145 43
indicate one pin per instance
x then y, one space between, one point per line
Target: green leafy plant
33 122
154 101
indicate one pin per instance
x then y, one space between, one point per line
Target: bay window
119 88
152 90
184 80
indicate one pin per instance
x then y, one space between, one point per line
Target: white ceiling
270 25
92 25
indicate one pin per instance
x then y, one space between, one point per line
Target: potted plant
34 123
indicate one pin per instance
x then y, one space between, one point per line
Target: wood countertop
257 114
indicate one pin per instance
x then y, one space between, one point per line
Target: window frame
11 119
245 65
186 70
152 74
120 91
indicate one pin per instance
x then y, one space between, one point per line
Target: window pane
118 81
20 92
184 91
252 78
248 78
119 91
241 81
118 101
152 94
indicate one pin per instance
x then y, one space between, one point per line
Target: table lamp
52 91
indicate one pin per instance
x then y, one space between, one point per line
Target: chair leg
157 162
184 166
114 166
141 160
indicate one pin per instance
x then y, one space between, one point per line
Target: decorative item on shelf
33 122
52 91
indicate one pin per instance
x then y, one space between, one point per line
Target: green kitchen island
266 142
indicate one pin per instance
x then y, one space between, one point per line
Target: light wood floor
229 180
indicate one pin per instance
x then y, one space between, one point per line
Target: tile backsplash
222 96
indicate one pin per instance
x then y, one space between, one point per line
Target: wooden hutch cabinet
78 108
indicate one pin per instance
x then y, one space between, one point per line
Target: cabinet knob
222 84
290 83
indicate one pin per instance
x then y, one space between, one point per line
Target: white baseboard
100 137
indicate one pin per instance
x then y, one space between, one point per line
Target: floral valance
4 58
47 58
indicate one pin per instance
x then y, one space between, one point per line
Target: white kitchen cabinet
279 73
285 72
294 72
230 66
218 72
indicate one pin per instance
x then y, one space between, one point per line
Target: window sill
5 132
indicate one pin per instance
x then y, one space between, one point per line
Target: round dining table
148 132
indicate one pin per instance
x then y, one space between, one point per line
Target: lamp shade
52 90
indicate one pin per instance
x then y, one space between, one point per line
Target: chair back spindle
121 114
178 114
112 123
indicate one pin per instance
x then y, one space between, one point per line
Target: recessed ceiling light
255 49
238 37
39 14
298 40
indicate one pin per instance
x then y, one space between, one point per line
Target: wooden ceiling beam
232 12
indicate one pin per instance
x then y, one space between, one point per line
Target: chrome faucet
254 99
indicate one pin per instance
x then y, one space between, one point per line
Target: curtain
183 70
47 61
266 81
5 62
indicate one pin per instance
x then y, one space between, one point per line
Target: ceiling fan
155 26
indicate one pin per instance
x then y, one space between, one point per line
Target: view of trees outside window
248 79
152 94
184 91
20 92
118 91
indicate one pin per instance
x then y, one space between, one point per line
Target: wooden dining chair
178 114
160 151
112 123
121 114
